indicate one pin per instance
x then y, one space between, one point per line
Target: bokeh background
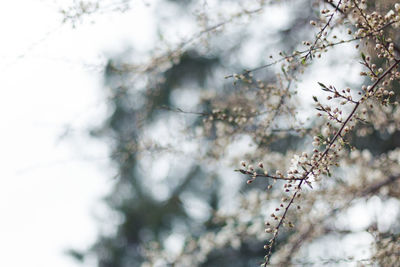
84 183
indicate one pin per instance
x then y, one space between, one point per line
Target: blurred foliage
136 108
144 218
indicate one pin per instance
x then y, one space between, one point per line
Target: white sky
50 80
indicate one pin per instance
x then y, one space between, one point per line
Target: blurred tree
176 129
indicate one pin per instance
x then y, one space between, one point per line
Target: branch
315 48
323 155
321 32
254 175
296 244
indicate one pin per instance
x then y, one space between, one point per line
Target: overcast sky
52 173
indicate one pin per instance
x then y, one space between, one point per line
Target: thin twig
254 174
323 155
299 53
319 35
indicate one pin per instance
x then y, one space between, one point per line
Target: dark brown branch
299 53
252 174
321 32
323 155
296 244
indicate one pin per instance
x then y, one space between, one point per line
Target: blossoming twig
322 156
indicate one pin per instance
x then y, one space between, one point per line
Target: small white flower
389 14
325 131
